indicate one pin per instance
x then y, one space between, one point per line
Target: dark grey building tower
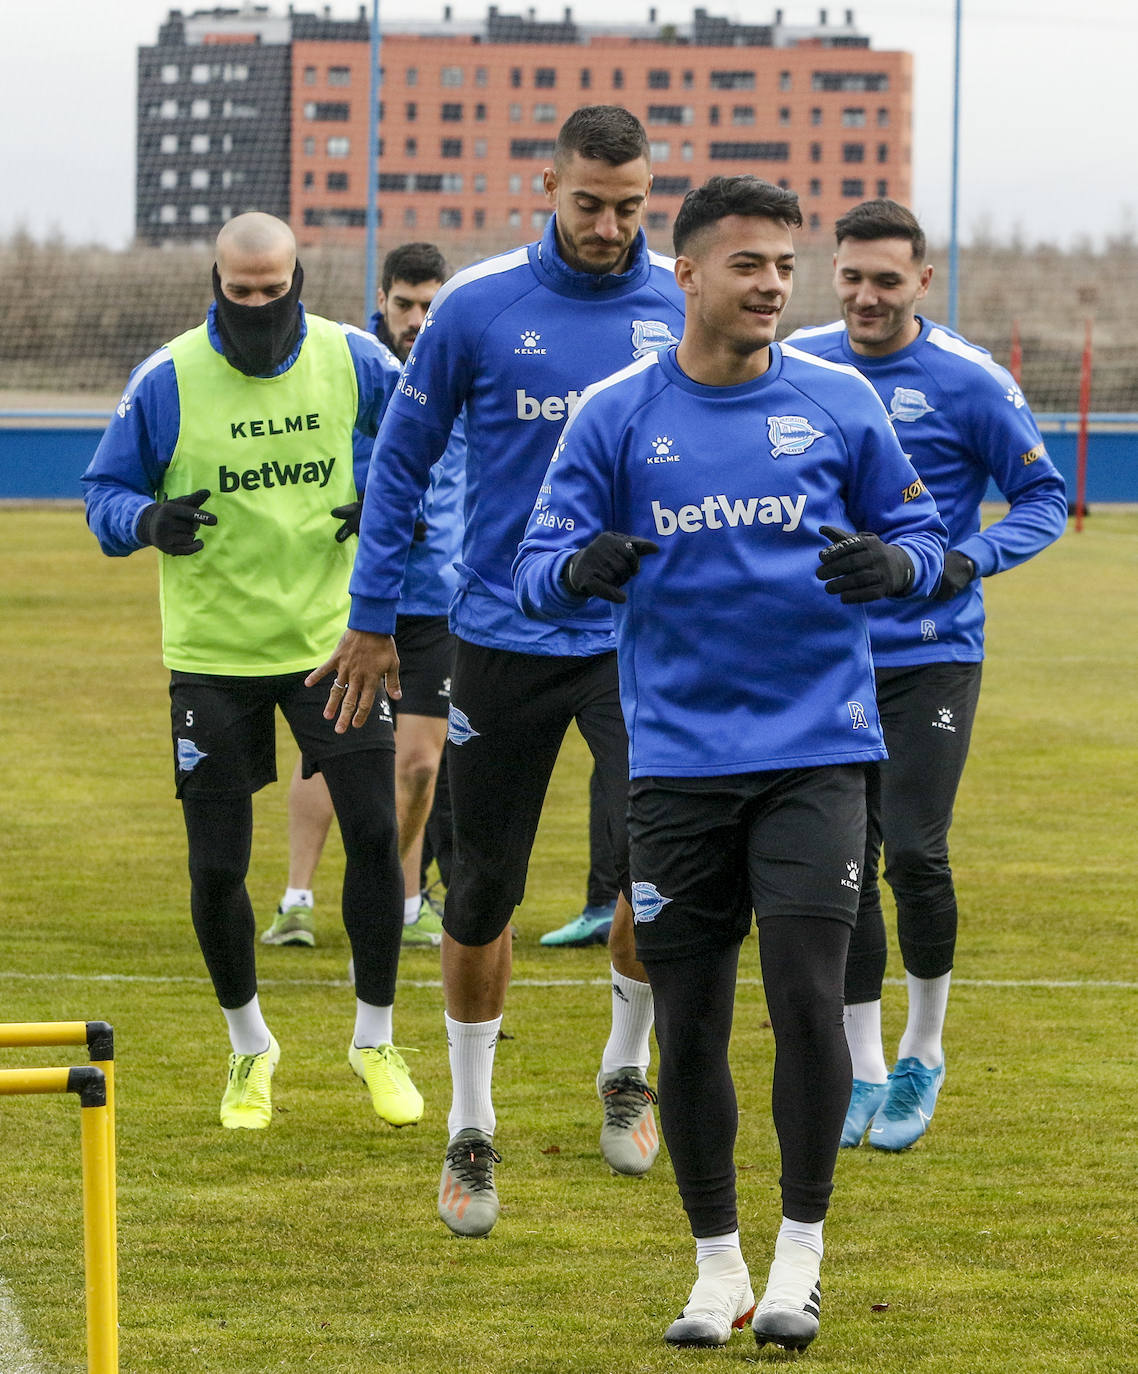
213 122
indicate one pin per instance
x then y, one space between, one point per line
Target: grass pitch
1005 1241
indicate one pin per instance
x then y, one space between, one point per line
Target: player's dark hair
722 196
882 219
604 133
413 263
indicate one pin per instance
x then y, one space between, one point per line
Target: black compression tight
802 962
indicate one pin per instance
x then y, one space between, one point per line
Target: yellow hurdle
94 1085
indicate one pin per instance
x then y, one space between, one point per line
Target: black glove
419 533
860 567
171 525
602 567
350 515
959 570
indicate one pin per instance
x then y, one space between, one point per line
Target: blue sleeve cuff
372 614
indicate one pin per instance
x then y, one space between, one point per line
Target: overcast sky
1049 122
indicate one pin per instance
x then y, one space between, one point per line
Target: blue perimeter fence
43 453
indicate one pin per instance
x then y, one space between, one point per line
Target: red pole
1081 450
1015 362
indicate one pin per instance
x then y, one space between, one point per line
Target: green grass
1006 1241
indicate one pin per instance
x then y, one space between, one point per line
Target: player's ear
685 274
925 278
549 184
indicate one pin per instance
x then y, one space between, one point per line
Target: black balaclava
256 339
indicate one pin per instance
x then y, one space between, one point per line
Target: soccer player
231 453
964 423
698 489
515 340
412 275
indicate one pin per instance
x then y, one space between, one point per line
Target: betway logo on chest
717 512
270 475
548 407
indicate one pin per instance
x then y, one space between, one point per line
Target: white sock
632 1016
248 1030
808 1233
471 1046
373 1026
297 896
863 1036
706 1246
928 1002
411 909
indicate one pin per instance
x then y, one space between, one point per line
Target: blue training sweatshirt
963 421
733 656
515 340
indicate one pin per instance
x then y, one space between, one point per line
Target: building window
450 219
784 81
659 79
480 219
853 188
883 119
782 181
617 79
309 180
537 183
199 214
538 219
199 179
882 187
849 81
743 114
452 114
853 117
450 147
514 219
309 147
227 143
815 186
168 214
410 147
815 221
732 81
853 152
480 114
231 109
688 80
395 181
480 181
200 73
199 143
168 179
516 77
452 181
531 147
410 217
816 116
450 76
515 113
170 143
687 152
337 181
515 183
231 177
671 186
411 76
339 76
169 74
586 78
410 112
544 114
756 152
310 76
883 152
327 111
657 219
545 78
670 114
168 109
479 147
659 152
815 152
339 147
480 76
784 117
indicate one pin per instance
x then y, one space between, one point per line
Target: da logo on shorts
189 756
908 404
459 729
790 434
646 903
650 336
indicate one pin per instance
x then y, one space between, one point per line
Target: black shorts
426 665
705 852
508 717
224 730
